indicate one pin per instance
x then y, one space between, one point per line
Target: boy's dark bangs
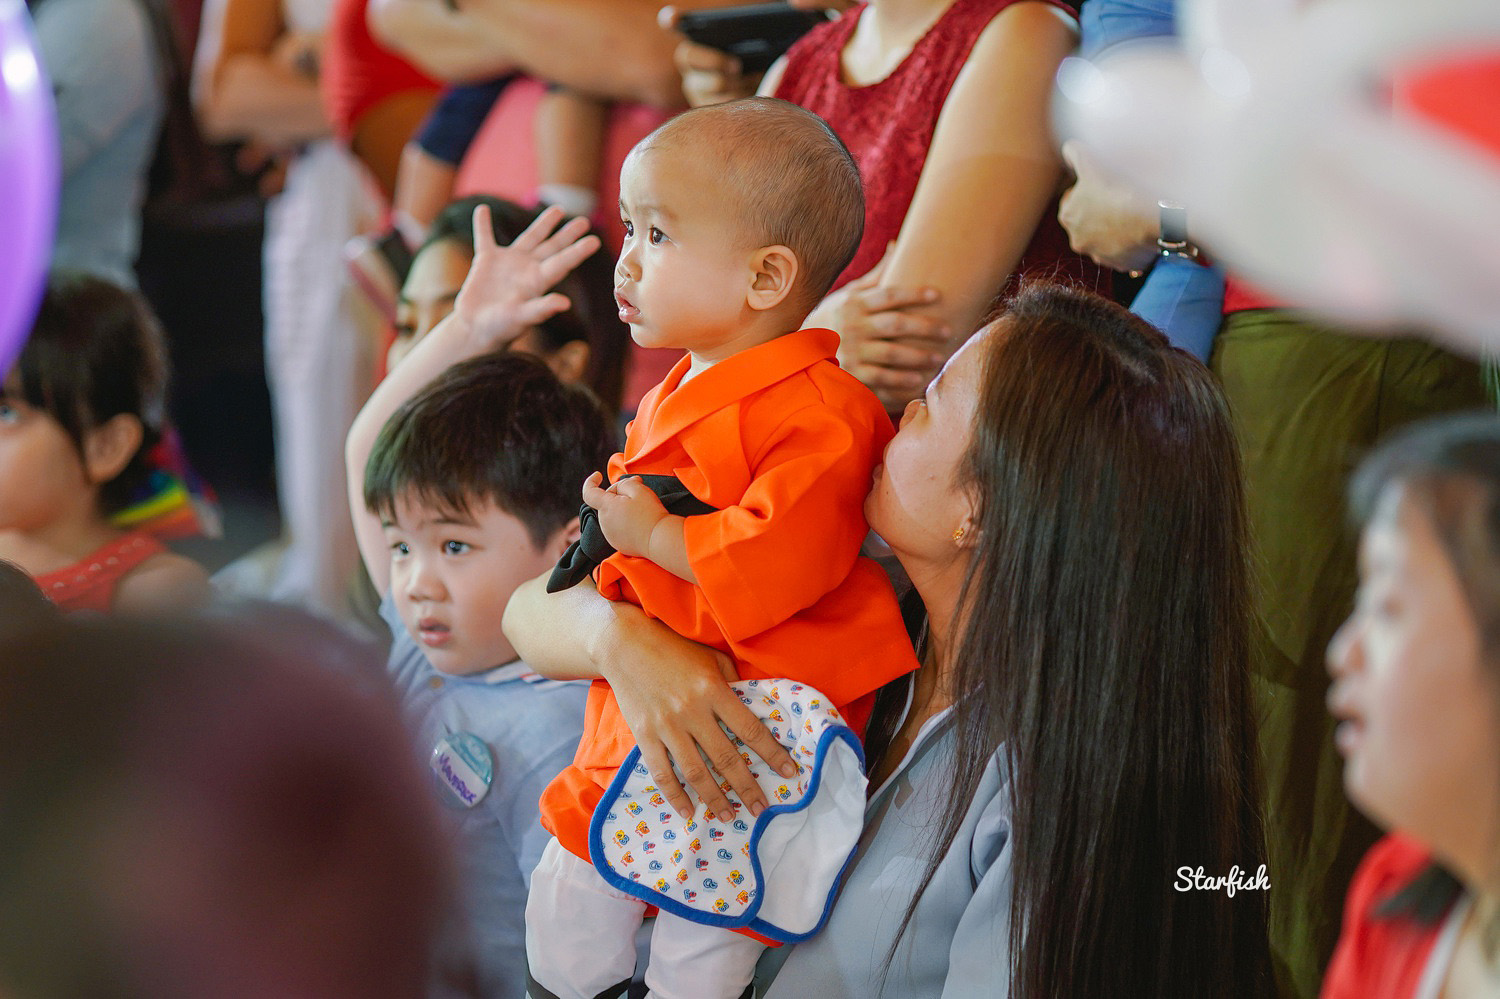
444 501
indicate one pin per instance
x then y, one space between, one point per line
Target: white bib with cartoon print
775 874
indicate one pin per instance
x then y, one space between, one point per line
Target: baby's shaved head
797 184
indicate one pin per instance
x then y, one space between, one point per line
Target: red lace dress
888 126
90 583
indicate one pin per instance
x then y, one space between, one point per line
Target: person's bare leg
382 133
570 149
423 187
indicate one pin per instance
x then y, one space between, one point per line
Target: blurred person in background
109 64
223 808
257 81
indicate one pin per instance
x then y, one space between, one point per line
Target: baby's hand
505 292
628 513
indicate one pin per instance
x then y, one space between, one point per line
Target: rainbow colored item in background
174 503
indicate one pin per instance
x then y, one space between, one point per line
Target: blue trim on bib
747 919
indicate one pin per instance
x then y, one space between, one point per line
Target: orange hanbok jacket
782 442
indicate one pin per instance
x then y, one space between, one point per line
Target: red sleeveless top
888 126
358 72
90 583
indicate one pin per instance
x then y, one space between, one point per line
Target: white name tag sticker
464 768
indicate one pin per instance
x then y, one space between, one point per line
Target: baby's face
685 271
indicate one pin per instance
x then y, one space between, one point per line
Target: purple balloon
29 178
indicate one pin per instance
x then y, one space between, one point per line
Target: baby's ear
774 270
108 448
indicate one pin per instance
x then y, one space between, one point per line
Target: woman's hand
893 350
709 76
1107 221
674 695
505 291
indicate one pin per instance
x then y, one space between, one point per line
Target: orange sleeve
796 532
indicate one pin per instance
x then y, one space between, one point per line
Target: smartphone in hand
756 34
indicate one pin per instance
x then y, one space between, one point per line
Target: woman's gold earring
958 534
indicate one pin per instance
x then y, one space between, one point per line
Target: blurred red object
1463 95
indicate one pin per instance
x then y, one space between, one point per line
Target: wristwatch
1173 238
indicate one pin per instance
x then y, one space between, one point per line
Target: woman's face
914 503
1418 708
427 297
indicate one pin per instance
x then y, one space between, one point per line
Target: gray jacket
956 944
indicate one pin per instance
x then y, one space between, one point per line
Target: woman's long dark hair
1104 650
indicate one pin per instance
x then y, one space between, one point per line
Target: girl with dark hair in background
79 415
585 344
1416 693
1066 499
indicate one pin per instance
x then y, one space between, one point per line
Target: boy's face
684 271
452 575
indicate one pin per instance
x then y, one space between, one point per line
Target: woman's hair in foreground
594 317
1104 646
96 351
225 807
1449 468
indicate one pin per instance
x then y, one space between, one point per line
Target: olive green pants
1308 403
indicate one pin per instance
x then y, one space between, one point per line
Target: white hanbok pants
580 939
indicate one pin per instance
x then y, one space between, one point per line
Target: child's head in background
225 805
82 407
1416 667
474 481
738 218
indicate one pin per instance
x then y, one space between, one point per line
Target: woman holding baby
1066 500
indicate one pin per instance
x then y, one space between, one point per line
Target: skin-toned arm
253 88
452 44
610 48
164 583
673 693
989 175
503 295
